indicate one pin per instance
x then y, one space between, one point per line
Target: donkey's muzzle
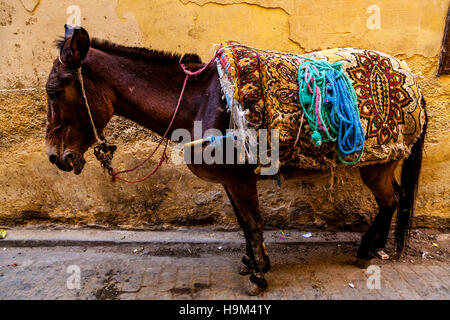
73 161
54 158
68 161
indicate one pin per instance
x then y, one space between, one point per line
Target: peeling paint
408 26
187 26
260 3
6 13
267 4
30 5
28 50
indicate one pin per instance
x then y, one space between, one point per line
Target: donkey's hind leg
381 181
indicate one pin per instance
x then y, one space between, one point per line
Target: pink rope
164 155
317 108
317 94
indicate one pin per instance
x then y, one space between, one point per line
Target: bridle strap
60 61
86 103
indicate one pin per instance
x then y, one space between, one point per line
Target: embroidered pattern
266 90
381 96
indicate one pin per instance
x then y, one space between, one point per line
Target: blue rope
329 102
215 140
344 115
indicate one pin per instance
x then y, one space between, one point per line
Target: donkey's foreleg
381 181
248 261
245 197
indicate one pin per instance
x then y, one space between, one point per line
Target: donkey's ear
79 45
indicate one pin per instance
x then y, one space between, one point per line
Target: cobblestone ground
190 272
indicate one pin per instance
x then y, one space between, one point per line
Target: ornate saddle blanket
262 87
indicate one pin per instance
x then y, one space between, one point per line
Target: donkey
108 70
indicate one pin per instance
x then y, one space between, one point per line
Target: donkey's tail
409 183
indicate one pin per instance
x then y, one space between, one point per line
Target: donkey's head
69 132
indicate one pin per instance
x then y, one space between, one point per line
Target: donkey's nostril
52 158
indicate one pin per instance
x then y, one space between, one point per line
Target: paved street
209 271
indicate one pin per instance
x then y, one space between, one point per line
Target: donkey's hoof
363 263
252 289
244 270
256 285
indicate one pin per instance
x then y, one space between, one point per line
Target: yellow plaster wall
411 30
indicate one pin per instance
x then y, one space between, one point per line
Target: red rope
164 155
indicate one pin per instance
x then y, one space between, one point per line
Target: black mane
162 57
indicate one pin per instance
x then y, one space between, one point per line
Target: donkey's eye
54 94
